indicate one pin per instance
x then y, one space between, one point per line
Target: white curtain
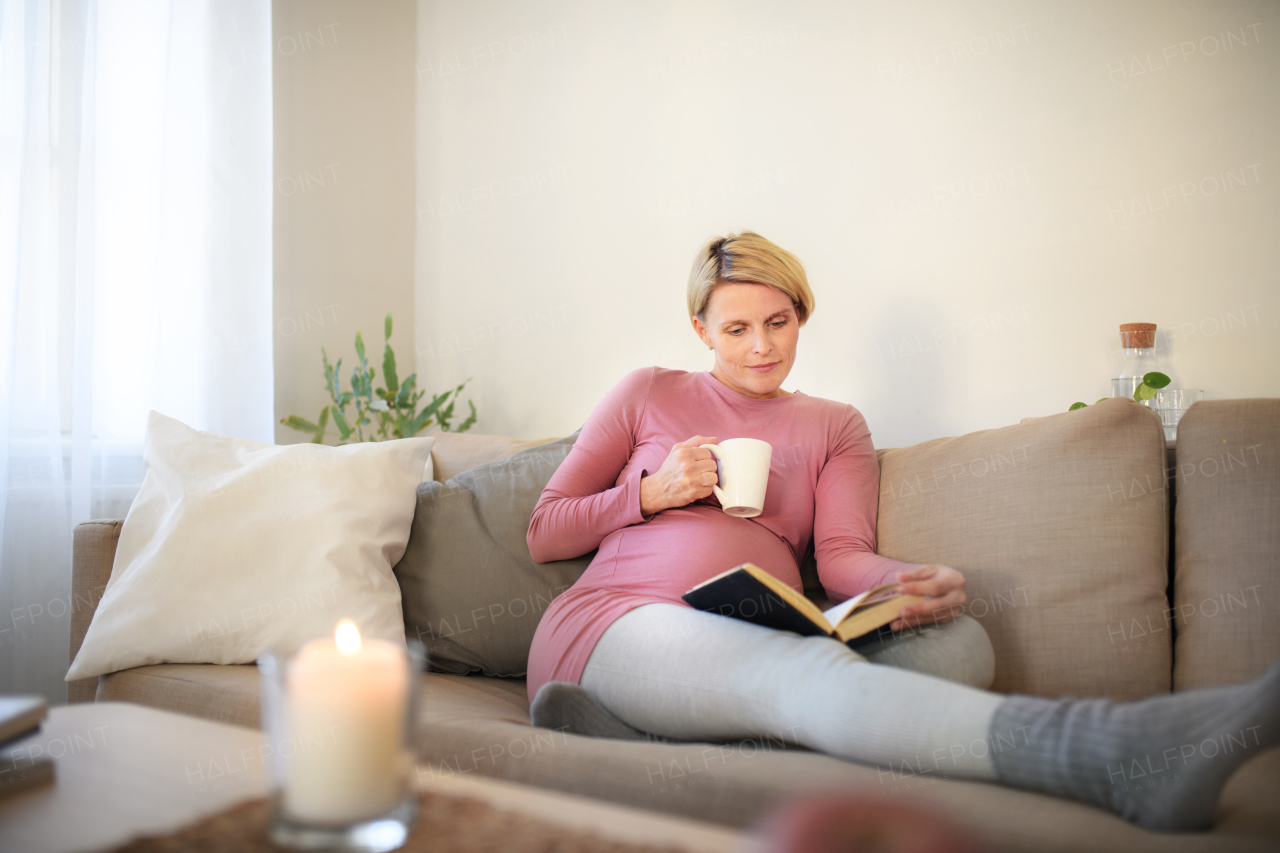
135 271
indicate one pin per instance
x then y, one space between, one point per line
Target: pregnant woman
619 654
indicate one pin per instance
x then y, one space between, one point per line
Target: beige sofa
1099 561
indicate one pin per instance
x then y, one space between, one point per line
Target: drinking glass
1171 404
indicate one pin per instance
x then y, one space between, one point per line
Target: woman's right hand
687 475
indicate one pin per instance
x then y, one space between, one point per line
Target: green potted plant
387 412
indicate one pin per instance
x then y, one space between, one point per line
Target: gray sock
567 707
1159 762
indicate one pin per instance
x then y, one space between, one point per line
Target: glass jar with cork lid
1139 342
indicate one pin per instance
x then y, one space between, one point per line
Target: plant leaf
416 425
340 421
360 347
389 365
1100 399
1155 379
436 402
471 419
387 327
300 424
1075 406
1143 392
445 415
404 397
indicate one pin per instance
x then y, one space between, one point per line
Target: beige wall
344 189
982 193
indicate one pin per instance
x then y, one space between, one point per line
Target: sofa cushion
472 593
233 547
455 452
1227 542
475 724
1060 526
225 694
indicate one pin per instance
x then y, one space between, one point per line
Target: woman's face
753 329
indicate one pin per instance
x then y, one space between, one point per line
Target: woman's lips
763 368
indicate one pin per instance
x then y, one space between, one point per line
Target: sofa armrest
93 551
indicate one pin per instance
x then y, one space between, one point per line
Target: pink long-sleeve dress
823 484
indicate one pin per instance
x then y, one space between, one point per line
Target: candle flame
347 636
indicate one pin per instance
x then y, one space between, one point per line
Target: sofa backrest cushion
1227 542
1060 526
471 592
455 452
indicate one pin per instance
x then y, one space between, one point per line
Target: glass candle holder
339 714
1171 404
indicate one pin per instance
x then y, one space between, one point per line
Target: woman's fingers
939 580
911 582
919 573
932 588
943 586
933 611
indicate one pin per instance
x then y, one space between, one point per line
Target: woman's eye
736 332
778 324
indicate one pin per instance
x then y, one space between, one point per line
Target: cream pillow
232 547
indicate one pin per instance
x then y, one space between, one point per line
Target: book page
835 615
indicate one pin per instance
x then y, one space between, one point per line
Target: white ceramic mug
742 465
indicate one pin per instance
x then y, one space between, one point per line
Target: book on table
20 716
750 593
20 766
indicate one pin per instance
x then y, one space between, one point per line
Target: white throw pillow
233 547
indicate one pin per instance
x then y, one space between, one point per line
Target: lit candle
347 701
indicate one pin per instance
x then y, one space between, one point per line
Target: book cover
749 593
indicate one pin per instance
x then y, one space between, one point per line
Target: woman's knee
958 651
970 640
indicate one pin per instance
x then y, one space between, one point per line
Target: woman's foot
1159 762
569 708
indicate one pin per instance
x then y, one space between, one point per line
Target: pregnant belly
681 548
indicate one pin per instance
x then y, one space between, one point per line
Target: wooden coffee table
125 770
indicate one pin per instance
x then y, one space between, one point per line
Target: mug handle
719 492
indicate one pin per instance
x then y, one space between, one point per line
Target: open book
751 594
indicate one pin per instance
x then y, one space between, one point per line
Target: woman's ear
701 329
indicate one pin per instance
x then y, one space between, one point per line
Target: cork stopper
1138 335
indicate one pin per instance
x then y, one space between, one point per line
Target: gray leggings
685 674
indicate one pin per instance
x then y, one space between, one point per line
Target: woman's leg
681 673
958 651
1159 762
690 675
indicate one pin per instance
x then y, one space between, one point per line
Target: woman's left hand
943 586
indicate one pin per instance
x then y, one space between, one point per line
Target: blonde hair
746 257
